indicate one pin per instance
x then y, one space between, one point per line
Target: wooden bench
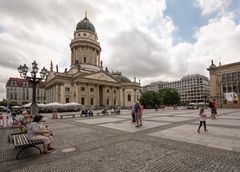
14 131
73 115
21 142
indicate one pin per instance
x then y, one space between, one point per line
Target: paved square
99 120
229 117
188 116
218 121
223 138
170 119
130 117
167 141
131 127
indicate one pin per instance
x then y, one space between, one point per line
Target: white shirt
203 117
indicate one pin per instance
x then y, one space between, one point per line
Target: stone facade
19 91
225 83
86 82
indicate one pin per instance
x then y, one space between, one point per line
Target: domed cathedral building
87 82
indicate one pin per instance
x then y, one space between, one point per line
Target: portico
86 82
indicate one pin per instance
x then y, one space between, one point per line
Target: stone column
123 93
98 56
97 97
58 93
135 96
75 55
118 100
95 57
77 90
62 93
72 49
88 95
104 95
54 93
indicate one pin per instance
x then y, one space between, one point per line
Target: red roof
20 82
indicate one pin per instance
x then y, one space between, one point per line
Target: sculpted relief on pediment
100 76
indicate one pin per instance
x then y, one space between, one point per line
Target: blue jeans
133 117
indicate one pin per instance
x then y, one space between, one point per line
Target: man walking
213 107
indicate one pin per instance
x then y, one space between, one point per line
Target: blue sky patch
187 18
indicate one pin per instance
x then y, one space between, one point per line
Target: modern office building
225 84
86 82
191 88
19 91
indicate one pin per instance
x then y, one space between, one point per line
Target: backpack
137 108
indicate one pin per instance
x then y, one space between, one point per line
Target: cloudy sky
150 39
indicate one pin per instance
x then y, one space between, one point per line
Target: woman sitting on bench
36 131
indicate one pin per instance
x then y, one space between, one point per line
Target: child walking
202 118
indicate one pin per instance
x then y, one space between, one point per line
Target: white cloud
135 37
218 40
211 6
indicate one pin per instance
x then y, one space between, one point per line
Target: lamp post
34 80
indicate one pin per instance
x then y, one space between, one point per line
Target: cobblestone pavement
167 141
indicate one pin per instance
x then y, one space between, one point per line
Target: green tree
170 96
3 102
150 99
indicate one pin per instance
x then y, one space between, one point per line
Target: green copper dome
85 24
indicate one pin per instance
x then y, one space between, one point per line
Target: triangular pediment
100 76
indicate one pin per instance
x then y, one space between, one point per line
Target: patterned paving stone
226 139
227 122
99 120
99 147
170 119
131 127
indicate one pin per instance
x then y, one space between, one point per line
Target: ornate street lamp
34 80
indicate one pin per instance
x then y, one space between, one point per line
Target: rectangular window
82 101
114 102
234 75
8 95
15 95
238 87
224 78
92 89
129 97
229 87
67 88
107 101
82 88
92 101
235 87
67 100
114 91
107 90
224 88
229 77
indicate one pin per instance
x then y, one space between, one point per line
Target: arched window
129 97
